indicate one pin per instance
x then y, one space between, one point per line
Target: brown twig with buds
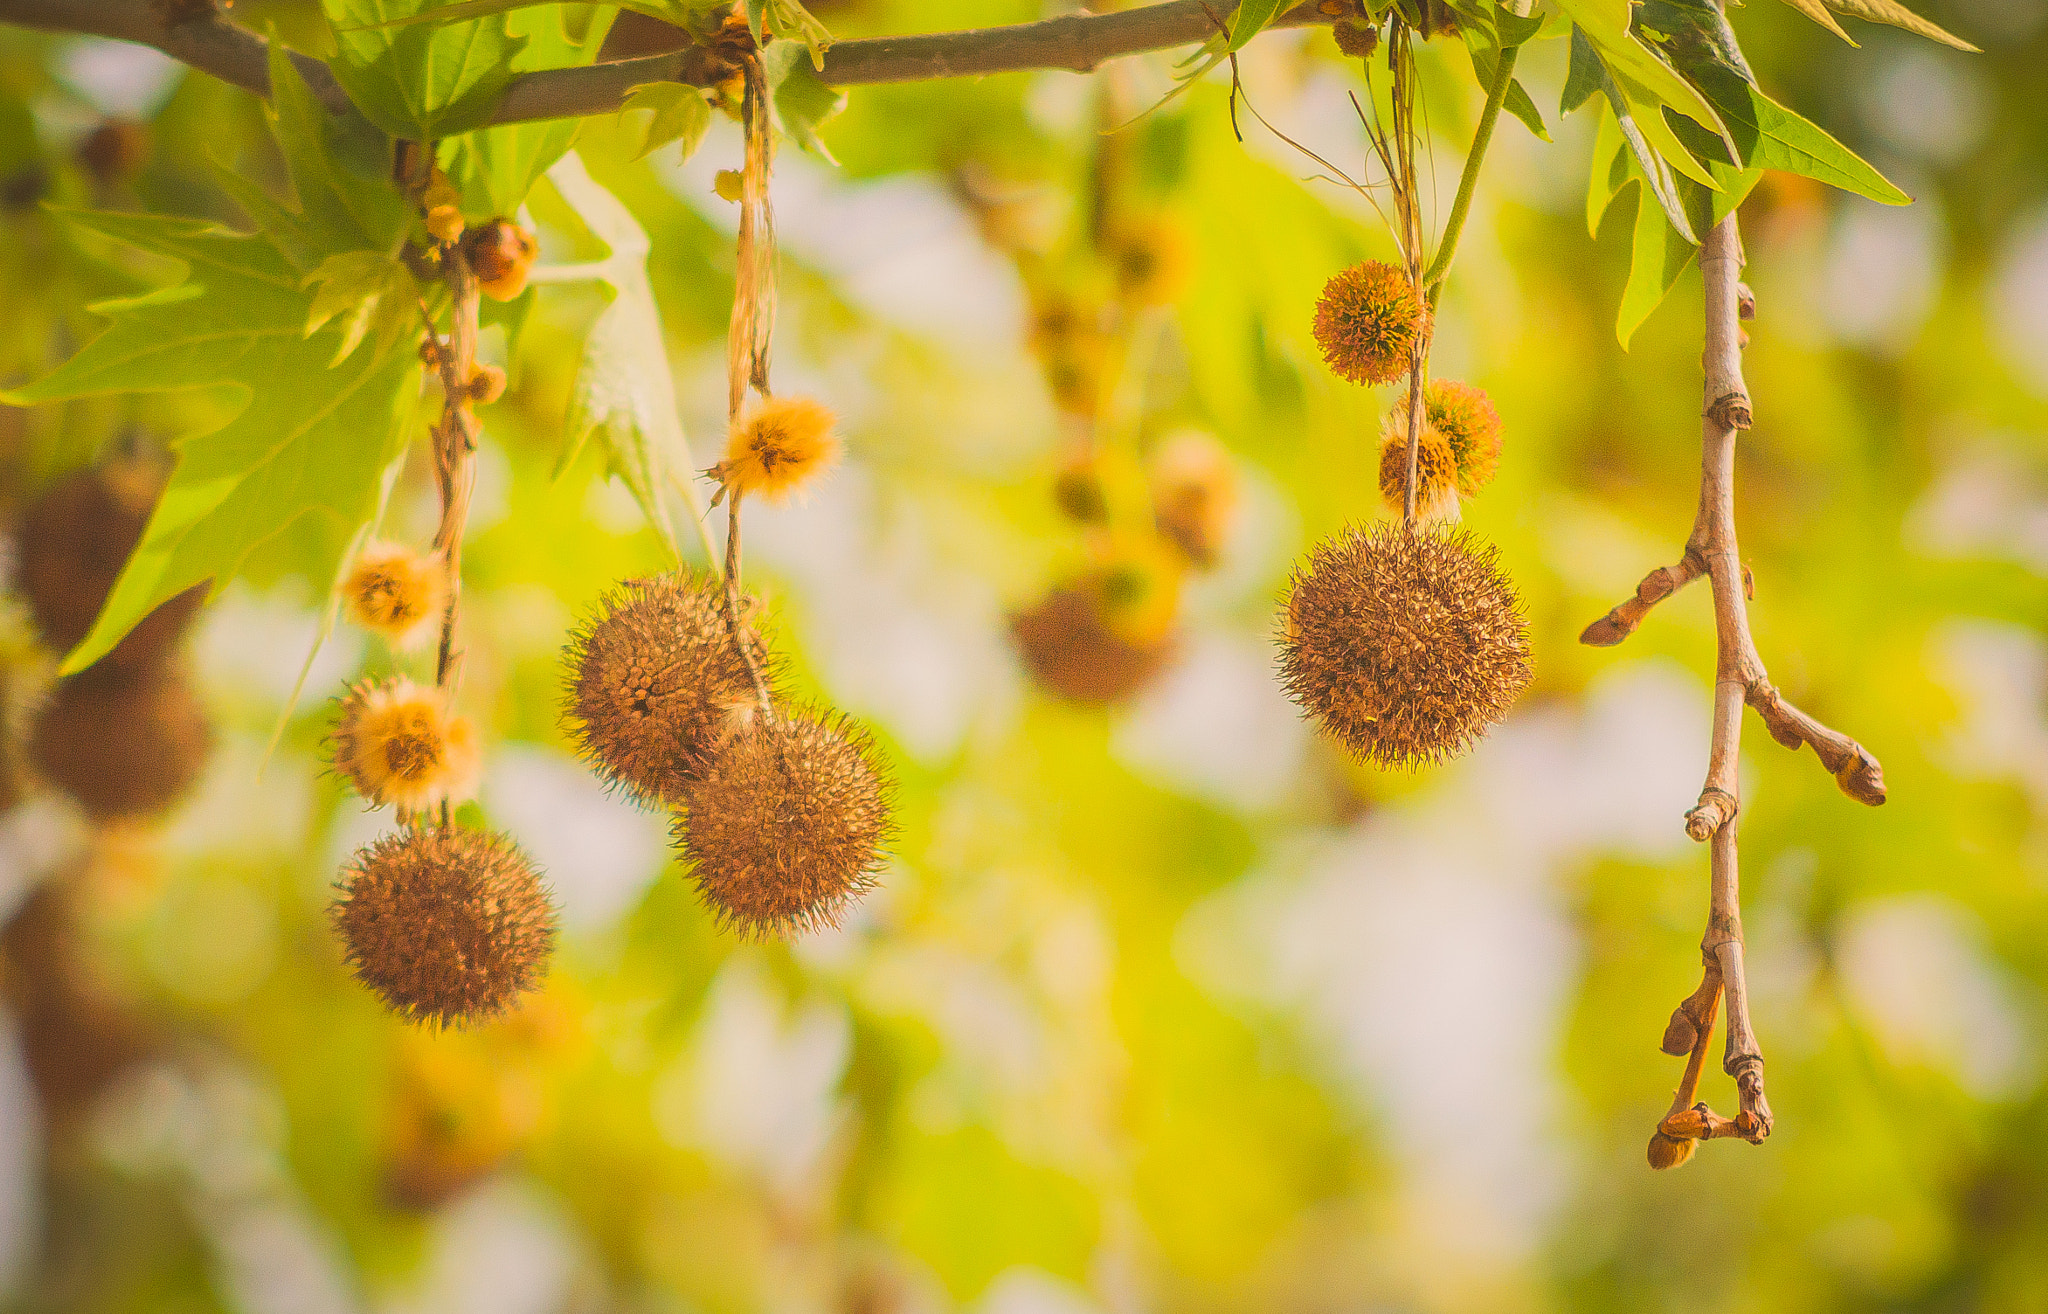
1739 680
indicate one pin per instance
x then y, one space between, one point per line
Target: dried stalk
454 448
1739 680
750 331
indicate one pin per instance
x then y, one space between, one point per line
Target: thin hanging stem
750 332
1407 207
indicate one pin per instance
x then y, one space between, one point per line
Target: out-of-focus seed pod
124 744
75 540
1194 496
115 150
502 254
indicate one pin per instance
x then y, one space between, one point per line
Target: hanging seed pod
396 592
787 829
77 1030
1194 496
449 1122
502 254
654 684
1102 637
1367 320
1468 422
1404 647
74 542
123 743
116 150
396 742
447 925
1152 261
779 447
1436 470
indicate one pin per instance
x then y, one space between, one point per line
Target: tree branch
1739 680
1075 42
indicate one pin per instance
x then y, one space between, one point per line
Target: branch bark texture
1075 42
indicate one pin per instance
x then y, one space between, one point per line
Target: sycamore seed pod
1095 640
1468 422
1077 491
486 384
1436 470
1367 320
1403 647
451 1119
654 684
1194 496
396 742
76 1028
447 925
74 542
396 592
1152 261
788 827
1357 38
502 254
123 743
776 449
115 150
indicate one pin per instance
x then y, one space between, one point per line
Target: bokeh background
1164 1005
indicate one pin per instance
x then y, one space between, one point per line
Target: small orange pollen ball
778 448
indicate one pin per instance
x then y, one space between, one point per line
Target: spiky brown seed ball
1468 422
1404 647
1436 469
124 743
789 825
448 925
502 254
396 592
1367 320
1073 652
74 542
397 742
654 683
1357 38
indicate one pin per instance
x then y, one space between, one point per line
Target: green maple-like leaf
422 82
311 441
625 392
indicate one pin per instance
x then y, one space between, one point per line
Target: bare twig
1076 42
1739 680
1658 585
